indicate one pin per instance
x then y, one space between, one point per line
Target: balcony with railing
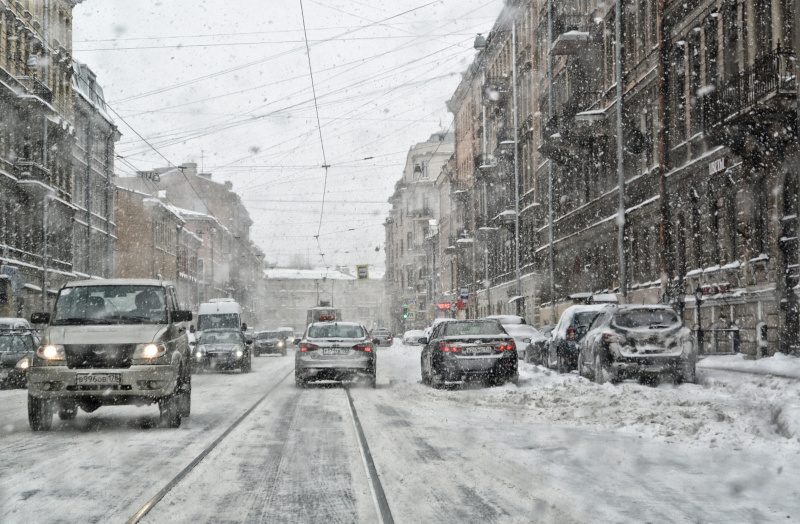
573 126
754 99
35 87
497 89
570 34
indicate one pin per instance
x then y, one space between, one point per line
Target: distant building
413 221
291 292
93 174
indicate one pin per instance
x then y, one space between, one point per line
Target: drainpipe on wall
623 269
551 252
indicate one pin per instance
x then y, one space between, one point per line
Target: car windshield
645 318
218 321
221 337
335 331
16 343
455 329
266 335
111 305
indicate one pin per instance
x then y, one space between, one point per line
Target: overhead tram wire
250 64
319 128
170 163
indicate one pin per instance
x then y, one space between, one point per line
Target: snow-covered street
555 448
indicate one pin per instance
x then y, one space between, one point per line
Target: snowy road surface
555 448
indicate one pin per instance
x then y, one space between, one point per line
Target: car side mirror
249 341
296 341
244 326
423 341
40 318
192 329
181 316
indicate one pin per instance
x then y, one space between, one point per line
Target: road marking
378 496
180 476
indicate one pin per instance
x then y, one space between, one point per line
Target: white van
220 313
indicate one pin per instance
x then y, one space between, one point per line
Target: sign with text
463 292
362 272
717 166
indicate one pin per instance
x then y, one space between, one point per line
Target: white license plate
101 379
481 350
335 351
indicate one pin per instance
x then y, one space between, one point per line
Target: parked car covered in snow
563 352
523 336
637 342
536 352
412 337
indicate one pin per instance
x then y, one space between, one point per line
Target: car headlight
148 351
23 363
280 344
52 352
239 353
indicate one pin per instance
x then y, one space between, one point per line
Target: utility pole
551 252
516 159
623 269
665 230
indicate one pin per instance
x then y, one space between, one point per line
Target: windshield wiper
77 321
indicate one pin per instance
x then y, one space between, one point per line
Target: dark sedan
382 336
466 350
223 349
269 342
16 350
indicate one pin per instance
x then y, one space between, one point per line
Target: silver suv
111 342
334 351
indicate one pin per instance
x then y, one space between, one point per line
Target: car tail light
508 345
571 334
362 347
309 347
447 348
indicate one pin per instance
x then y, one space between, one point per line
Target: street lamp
698 298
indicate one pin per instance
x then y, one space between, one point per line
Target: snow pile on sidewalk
779 364
730 410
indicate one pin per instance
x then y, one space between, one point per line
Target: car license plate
477 350
335 351
97 379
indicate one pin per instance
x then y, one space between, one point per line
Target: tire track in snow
180 476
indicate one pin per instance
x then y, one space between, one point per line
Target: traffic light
405 315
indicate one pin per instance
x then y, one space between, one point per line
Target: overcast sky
227 85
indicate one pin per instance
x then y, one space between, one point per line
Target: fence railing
718 341
771 73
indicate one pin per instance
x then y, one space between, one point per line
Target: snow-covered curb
778 365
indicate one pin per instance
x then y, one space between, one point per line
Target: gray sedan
334 351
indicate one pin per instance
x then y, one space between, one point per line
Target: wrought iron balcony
29 170
765 88
570 34
497 89
35 87
564 132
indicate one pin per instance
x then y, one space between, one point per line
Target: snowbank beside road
779 364
731 410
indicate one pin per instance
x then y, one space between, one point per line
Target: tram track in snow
378 496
